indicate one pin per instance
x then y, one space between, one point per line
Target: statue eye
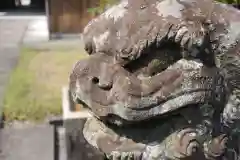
154 61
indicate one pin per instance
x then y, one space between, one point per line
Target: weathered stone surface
174 64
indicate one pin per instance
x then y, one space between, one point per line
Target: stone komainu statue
162 80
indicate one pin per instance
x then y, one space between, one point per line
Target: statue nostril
106 85
95 80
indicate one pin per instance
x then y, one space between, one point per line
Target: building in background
68 17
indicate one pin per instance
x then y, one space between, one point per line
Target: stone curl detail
187 144
216 147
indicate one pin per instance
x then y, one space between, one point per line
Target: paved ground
32 143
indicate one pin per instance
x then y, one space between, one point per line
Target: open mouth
82 103
79 101
86 107
124 115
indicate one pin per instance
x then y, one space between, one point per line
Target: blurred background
17 4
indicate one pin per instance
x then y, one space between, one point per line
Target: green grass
34 89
